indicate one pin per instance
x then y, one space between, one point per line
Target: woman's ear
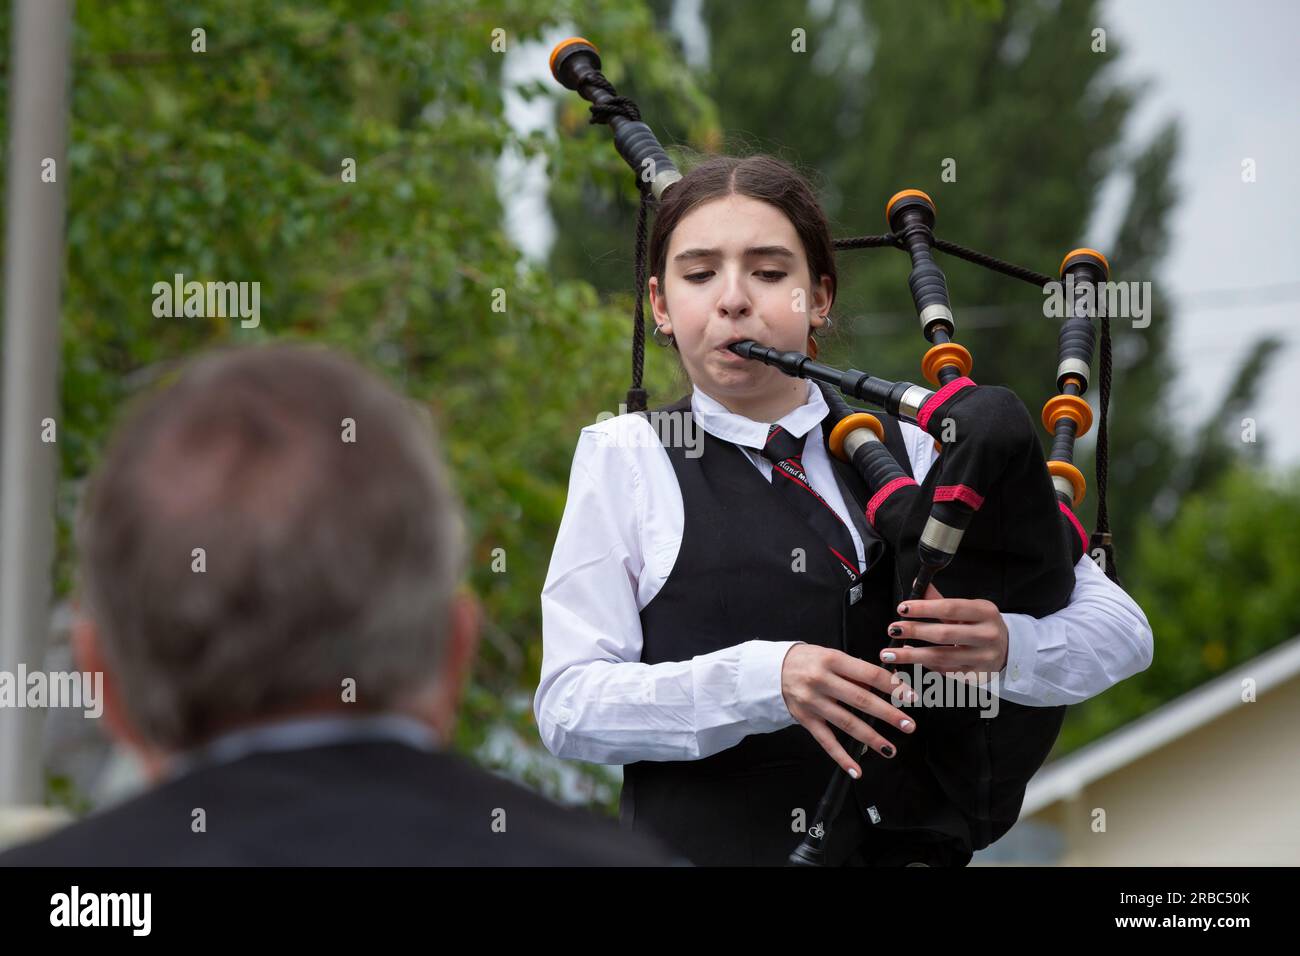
659 306
822 300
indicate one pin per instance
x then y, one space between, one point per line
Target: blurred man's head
268 531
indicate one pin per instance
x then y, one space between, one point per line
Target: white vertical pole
38 130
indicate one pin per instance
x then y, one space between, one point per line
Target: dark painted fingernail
887 750
895 631
902 609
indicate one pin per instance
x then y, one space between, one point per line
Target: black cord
636 395
1102 536
953 249
603 113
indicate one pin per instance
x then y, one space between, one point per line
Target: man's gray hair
322 558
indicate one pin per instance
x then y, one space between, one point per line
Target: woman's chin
741 374
730 367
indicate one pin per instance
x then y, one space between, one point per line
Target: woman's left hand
975 627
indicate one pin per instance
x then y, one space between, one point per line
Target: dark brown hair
760 177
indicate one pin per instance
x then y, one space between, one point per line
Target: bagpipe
992 516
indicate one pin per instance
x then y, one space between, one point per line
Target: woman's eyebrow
751 252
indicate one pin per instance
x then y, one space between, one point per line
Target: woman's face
735 270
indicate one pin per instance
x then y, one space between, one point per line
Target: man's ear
88 653
659 306
462 645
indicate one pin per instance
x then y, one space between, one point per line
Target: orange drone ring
852 423
1083 251
1063 469
903 194
559 48
1067 406
945 353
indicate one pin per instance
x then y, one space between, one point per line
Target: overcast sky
1230 72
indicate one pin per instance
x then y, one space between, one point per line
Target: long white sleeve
1097 640
596 701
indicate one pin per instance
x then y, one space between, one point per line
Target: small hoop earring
661 340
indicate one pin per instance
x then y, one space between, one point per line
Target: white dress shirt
617 543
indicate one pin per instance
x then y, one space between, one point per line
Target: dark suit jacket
374 803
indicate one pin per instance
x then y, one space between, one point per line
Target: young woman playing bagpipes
727 599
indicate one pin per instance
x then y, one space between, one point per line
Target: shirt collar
297 733
715 419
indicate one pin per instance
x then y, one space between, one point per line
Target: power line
1231 298
992 316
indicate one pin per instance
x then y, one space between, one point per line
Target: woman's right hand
817 681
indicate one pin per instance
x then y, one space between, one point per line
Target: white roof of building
1065 778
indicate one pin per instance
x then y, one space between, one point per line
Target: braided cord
961 252
636 395
603 113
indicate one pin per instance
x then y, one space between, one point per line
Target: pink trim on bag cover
939 397
1083 536
963 493
879 497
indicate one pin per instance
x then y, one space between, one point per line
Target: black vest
737 577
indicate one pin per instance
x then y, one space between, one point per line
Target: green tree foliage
228 165
1219 583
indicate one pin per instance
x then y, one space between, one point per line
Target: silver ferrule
936 313
940 536
662 181
1073 366
909 406
1063 486
856 439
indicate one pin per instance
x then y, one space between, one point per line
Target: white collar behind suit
714 418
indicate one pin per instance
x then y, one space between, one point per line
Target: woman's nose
734 300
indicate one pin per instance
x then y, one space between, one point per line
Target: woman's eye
767 275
